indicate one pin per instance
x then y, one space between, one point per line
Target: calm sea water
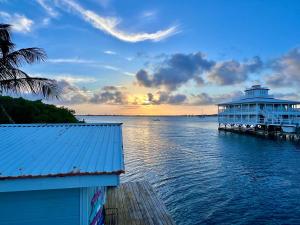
207 177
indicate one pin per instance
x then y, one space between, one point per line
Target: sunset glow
158 58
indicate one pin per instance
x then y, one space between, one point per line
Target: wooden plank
149 203
137 204
129 211
140 205
157 203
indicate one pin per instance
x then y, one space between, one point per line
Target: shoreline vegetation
23 111
15 81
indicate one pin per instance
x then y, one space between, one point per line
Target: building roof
60 150
259 100
256 87
258 94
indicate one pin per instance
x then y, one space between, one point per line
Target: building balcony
254 121
259 111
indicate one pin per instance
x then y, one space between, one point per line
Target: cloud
109 67
165 98
20 23
109 52
71 60
149 14
234 72
112 95
129 74
110 25
75 79
176 71
203 99
289 96
84 61
206 99
46 6
70 78
286 70
109 95
72 94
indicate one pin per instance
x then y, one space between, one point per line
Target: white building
257 107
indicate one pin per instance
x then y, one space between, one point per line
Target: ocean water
210 177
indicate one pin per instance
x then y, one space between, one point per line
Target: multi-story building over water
258 108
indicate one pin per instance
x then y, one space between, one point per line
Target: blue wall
49 207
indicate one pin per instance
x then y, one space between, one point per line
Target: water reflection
207 177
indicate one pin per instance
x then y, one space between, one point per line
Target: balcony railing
294 121
260 111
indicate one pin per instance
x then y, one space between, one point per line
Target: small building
58 173
258 108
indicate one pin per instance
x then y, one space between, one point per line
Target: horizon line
144 115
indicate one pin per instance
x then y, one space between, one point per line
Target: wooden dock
277 135
135 203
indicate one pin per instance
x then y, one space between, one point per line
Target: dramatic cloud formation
234 72
286 70
110 25
20 23
176 71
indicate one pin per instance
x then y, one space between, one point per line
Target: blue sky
159 57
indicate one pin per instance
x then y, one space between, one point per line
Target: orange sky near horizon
163 109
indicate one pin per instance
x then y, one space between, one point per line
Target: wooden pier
278 135
135 203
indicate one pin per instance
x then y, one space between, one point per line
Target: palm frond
9 72
15 80
28 55
5 31
5 41
36 85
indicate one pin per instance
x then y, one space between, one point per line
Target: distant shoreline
204 115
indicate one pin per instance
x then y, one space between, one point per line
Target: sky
159 57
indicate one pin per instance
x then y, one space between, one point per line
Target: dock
135 203
275 135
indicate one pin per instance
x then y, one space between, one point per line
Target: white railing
237 121
237 111
260 111
277 121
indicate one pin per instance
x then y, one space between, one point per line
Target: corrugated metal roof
39 150
260 100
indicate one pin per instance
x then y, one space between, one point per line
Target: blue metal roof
59 150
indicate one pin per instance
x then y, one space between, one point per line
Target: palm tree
16 81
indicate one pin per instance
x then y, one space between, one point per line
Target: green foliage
24 111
